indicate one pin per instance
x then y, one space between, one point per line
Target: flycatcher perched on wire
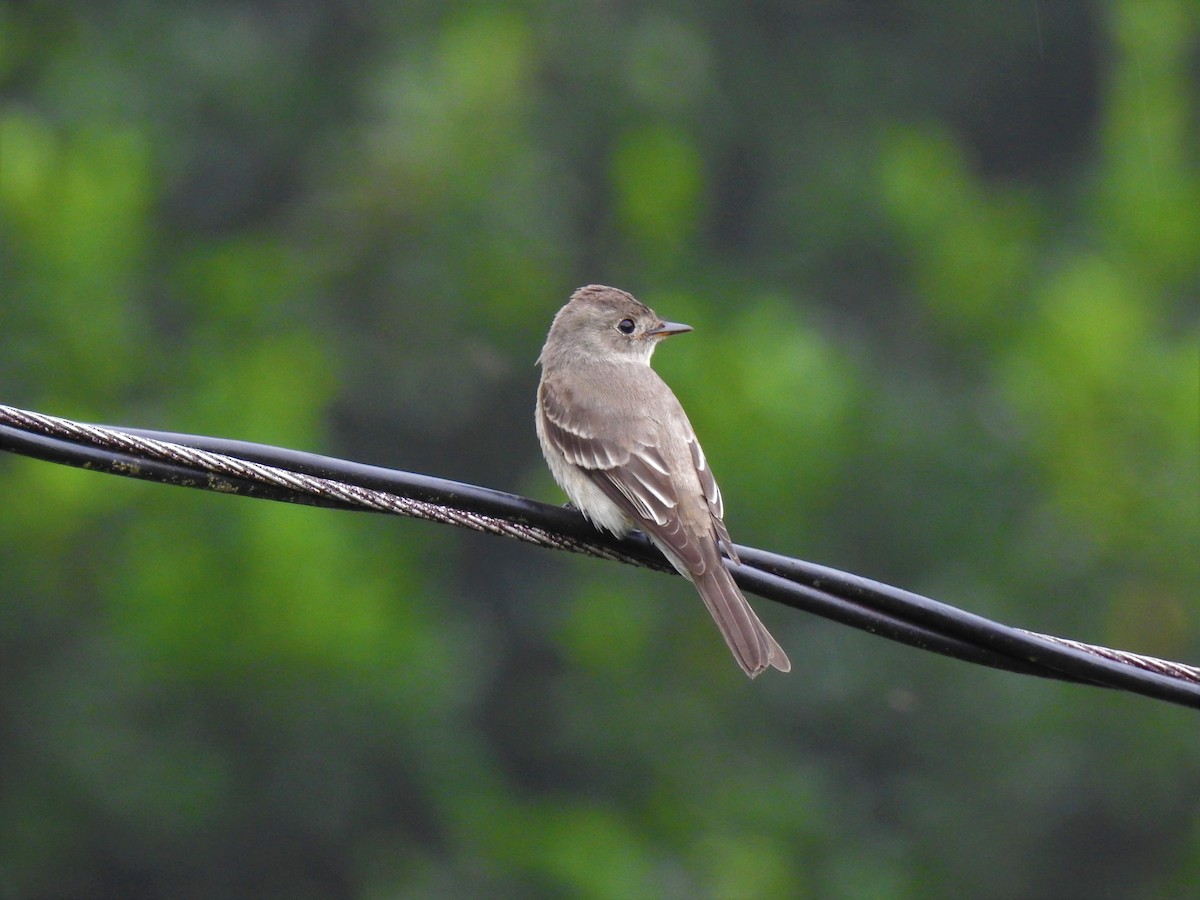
620 445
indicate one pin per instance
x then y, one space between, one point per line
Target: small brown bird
620 445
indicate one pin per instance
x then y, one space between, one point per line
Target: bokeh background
943 261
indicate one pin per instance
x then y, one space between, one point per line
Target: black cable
1070 663
838 608
316 480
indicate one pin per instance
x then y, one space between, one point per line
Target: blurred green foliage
943 261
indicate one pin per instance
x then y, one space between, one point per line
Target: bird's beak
666 329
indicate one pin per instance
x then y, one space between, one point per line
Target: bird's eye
625 326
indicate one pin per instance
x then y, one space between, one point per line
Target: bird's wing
712 494
633 473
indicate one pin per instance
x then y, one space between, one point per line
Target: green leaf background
943 261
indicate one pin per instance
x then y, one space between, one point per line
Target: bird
619 444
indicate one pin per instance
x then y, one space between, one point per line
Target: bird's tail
751 643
